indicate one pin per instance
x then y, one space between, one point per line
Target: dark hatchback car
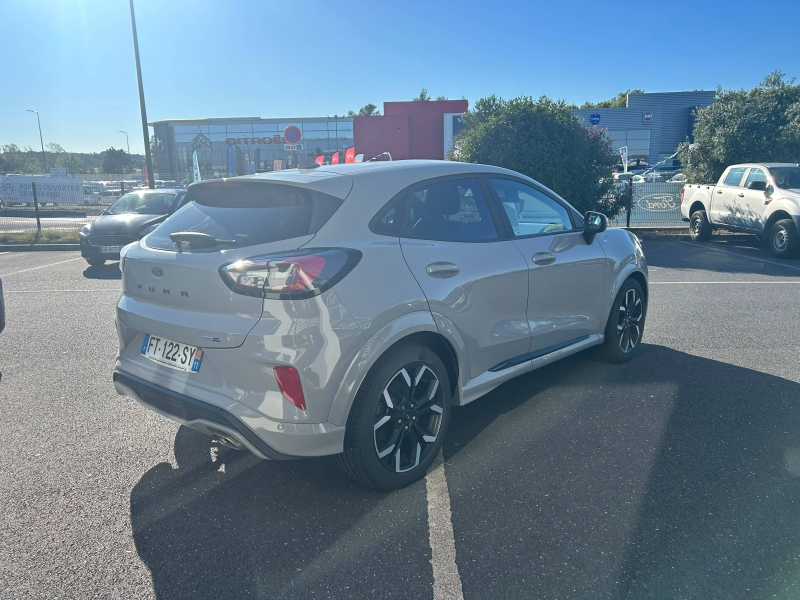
129 219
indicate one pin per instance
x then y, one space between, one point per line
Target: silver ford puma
346 310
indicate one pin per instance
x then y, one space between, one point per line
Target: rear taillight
290 276
289 383
683 193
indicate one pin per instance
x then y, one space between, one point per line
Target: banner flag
335 158
350 155
359 158
320 160
195 168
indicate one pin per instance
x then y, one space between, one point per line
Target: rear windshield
250 213
147 203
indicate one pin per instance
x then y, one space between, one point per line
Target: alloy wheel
696 226
781 239
408 418
629 322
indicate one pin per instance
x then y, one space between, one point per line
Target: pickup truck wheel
699 227
398 420
625 323
783 240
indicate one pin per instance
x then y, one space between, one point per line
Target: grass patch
40 237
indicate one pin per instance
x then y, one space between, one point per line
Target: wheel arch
777 215
417 327
697 205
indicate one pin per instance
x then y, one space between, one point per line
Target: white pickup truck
763 199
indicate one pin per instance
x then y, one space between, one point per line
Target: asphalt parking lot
674 476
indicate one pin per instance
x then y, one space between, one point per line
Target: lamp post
127 142
41 141
147 157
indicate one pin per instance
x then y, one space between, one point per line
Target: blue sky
72 60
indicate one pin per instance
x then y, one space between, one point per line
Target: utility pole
147 157
44 158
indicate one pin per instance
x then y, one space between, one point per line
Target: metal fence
656 204
26 208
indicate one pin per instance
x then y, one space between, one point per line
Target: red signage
292 134
335 158
320 160
275 139
350 155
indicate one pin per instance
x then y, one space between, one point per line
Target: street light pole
147 157
41 141
127 142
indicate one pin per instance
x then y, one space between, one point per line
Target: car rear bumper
264 438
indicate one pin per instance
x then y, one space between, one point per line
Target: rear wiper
196 239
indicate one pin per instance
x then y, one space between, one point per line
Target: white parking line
737 254
61 262
446 580
724 282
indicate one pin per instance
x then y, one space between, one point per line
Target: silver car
345 310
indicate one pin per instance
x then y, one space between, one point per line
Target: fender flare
387 336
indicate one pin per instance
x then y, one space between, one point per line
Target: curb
40 247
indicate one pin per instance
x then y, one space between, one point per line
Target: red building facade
407 130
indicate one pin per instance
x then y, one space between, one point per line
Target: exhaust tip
228 442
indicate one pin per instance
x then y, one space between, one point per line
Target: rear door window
453 210
250 213
734 176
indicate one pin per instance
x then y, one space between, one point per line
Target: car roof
766 165
414 169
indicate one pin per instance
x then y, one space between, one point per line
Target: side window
451 211
755 175
734 176
389 219
530 211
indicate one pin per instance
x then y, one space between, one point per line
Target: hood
129 224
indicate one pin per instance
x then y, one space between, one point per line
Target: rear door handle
544 258
719 191
740 195
442 270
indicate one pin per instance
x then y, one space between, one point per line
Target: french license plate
110 249
182 357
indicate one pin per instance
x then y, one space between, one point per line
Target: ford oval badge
157 272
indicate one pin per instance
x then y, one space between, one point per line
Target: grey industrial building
651 125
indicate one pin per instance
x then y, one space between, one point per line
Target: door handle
442 270
719 191
544 258
740 195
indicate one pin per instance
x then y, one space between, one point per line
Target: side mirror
760 186
593 223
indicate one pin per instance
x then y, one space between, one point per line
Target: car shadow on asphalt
670 476
753 257
107 271
234 526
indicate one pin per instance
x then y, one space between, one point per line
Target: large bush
760 125
544 140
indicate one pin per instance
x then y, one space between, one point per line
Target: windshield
148 203
248 212
786 177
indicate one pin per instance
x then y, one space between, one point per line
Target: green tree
116 161
619 101
368 110
759 125
14 159
423 96
543 140
442 98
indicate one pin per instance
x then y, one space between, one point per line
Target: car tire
96 262
699 228
625 325
783 240
402 405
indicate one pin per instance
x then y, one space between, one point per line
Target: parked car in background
345 310
128 219
760 198
623 177
677 178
